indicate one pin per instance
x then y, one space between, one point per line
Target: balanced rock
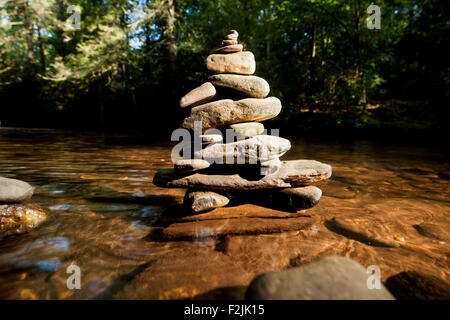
257 148
292 173
247 129
199 201
13 190
233 35
252 86
17 219
229 42
187 165
230 49
330 278
199 95
238 62
224 112
270 166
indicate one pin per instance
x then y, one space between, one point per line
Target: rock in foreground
13 191
17 219
330 278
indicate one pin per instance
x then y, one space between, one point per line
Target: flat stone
292 173
252 86
230 49
18 219
224 112
330 278
239 62
257 148
199 95
13 190
228 42
188 165
199 201
232 36
247 129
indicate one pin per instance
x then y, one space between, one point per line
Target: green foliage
129 56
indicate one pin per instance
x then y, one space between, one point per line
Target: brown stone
230 49
199 201
225 112
239 62
251 86
187 165
199 95
229 42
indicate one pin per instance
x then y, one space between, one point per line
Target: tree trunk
170 36
60 45
41 50
29 38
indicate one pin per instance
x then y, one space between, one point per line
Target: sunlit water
385 205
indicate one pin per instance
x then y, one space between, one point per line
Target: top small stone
230 43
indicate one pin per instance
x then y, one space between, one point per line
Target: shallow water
386 204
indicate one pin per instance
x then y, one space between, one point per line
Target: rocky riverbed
385 205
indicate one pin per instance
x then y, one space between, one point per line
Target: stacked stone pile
235 153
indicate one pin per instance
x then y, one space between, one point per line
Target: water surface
386 204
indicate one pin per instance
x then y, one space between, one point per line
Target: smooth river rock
13 190
199 201
247 129
199 95
18 219
299 198
330 278
257 148
239 62
252 86
187 165
292 173
224 112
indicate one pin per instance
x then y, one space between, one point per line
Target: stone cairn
216 170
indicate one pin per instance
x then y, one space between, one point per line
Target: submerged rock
13 190
199 201
330 278
18 219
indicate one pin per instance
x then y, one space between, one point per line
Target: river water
385 205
